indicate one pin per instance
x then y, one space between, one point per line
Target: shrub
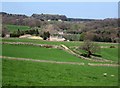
112 46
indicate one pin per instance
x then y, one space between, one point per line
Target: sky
90 10
60 0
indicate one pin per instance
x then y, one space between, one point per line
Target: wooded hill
74 29
44 17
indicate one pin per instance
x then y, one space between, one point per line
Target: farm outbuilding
56 38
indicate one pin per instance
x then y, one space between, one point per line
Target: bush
112 46
46 35
47 46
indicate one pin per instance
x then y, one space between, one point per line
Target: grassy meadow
28 73
17 73
38 53
106 53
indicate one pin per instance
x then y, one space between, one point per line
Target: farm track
44 61
58 62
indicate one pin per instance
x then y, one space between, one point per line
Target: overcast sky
91 10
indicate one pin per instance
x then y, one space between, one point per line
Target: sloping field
12 28
38 53
26 73
34 73
106 52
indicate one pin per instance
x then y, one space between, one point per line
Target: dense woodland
73 29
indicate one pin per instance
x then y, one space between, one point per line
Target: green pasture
109 53
106 53
27 73
34 52
13 28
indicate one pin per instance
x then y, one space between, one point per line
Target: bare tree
89 47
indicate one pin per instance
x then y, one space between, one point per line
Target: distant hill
12 18
43 17
49 17
79 19
12 15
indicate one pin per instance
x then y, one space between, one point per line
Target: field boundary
31 44
58 62
44 61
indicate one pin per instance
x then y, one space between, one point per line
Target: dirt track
57 62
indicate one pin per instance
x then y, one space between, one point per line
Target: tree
37 32
18 32
89 47
46 35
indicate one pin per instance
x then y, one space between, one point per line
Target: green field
38 53
13 28
24 73
106 53
30 73
109 53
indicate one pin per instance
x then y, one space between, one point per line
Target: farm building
56 38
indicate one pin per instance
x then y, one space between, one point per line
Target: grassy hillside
25 73
12 28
